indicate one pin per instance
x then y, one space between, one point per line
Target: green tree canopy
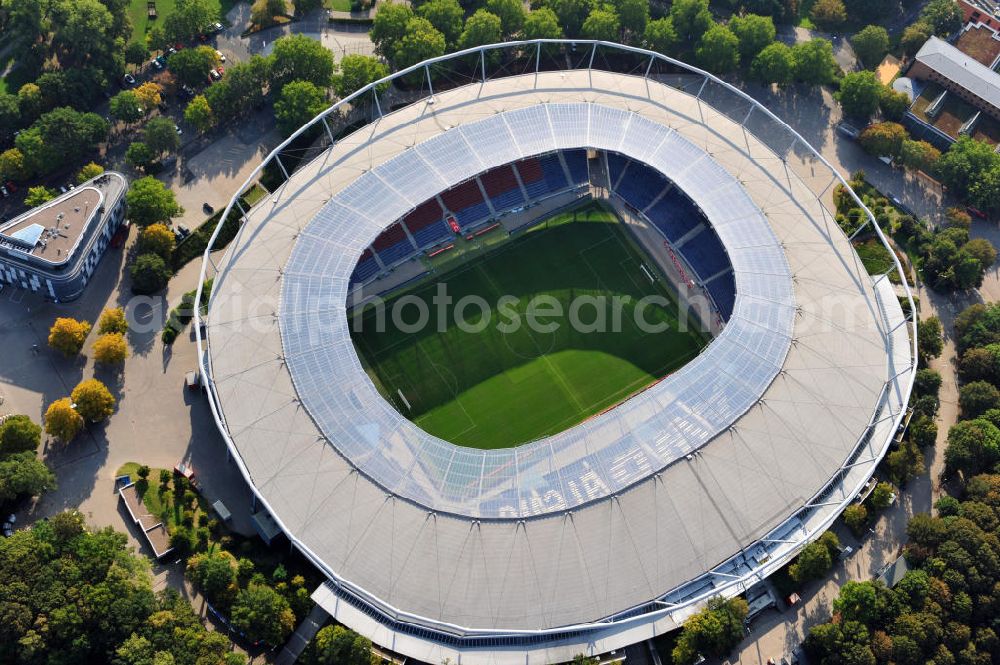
511 13
149 201
660 36
357 71
571 13
23 474
19 434
713 632
542 23
262 613
828 14
298 103
336 645
602 23
754 32
859 94
423 41
943 16
389 26
481 28
774 64
446 16
198 113
189 19
973 445
691 20
301 58
60 136
160 134
814 61
125 107
634 17
871 44
191 65
718 50
149 274
883 138
139 155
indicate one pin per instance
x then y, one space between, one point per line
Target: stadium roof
820 352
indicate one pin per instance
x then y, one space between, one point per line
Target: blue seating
395 253
576 160
366 269
432 234
552 170
723 290
616 166
705 253
508 200
502 188
640 186
674 215
472 214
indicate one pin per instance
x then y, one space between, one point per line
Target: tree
241 91
858 601
914 37
191 65
774 64
189 19
198 113
943 16
89 172
965 162
542 23
691 19
83 32
984 193
828 14
601 23
634 17
977 325
712 632
110 349
919 155
68 335
718 50
112 320
980 364
149 201
871 44
421 42
447 16
149 274
754 32
303 6
18 434
389 26
23 474
12 165
301 58
139 155
977 397
571 13
214 575
136 53
814 61
29 103
39 195
660 36
856 517
94 402
812 563
357 71
973 445
883 138
511 13
982 250
336 645
930 338
62 421
882 496
11 118
859 94
157 239
160 134
927 382
125 107
262 12
299 102
262 613
148 95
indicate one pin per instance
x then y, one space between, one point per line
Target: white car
221 55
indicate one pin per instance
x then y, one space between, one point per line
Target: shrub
142 472
978 397
149 274
112 321
18 434
856 518
882 496
812 563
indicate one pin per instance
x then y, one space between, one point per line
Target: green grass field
141 24
493 390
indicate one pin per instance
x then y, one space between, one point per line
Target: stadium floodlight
617 528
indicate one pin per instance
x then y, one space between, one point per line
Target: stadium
599 491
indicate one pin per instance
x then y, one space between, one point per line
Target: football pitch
488 384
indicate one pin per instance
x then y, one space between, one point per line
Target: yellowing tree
110 349
157 239
112 321
148 95
91 170
62 421
93 400
67 335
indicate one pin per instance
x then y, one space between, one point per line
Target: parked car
157 65
128 80
849 131
213 75
171 50
4 192
220 55
184 231
186 92
217 26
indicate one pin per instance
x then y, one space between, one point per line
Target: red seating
389 237
462 196
530 170
367 254
423 215
499 180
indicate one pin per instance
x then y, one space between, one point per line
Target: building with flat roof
53 249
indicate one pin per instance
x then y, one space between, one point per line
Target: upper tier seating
466 202
502 188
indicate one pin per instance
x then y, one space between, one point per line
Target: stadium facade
619 528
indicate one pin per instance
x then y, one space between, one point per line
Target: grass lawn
874 256
141 24
338 5
484 388
161 500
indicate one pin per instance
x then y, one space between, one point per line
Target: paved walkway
302 636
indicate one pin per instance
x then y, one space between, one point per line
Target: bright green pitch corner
489 389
